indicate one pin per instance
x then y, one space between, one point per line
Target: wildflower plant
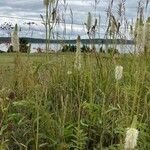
118 72
15 39
91 29
55 106
50 20
69 72
131 136
77 63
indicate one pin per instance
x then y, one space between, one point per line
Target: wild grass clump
53 105
75 101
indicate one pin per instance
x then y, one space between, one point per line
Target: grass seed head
46 2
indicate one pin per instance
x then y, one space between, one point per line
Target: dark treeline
83 41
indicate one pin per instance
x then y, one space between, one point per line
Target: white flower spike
77 63
131 138
15 39
118 72
69 72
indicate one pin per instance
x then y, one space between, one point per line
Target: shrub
112 51
85 48
69 48
72 48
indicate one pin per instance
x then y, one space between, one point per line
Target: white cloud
23 11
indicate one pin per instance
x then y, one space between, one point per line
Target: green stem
46 26
37 126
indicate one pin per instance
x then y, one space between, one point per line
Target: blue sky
23 11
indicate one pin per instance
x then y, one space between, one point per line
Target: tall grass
87 109
52 105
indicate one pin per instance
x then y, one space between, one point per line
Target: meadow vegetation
76 101
52 105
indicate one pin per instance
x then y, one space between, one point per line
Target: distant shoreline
83 41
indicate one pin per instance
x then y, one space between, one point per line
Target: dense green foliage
49 105
72 48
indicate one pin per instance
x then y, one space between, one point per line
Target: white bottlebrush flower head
69 72
15 39
77 63
118 72
131 138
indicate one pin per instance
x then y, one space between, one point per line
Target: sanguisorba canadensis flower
131 138
15 39
77 63
69 72
118 72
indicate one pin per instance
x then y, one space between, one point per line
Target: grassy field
48 104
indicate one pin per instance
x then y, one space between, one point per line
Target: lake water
122 48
